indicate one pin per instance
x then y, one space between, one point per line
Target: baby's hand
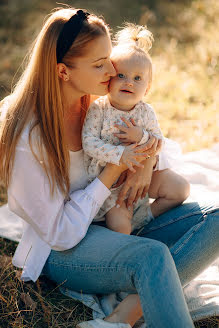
132 156
130 132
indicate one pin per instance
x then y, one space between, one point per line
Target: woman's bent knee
151 253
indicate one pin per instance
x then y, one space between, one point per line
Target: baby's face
130 84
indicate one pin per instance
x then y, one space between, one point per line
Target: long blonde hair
38 94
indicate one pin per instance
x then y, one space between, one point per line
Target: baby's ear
147 89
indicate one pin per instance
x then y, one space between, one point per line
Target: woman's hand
152 147
112 172
136 185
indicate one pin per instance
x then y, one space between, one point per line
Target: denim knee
150 257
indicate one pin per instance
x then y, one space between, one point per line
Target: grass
29 305
186 64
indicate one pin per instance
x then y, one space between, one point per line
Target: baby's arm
92 143
151 123
95 147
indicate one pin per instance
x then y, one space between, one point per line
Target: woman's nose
111 69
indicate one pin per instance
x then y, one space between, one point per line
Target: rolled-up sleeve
61 224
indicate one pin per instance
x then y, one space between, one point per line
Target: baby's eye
137 78
120 75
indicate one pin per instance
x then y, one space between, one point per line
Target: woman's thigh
191 231
103 262
173 224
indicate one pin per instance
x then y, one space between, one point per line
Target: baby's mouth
126 91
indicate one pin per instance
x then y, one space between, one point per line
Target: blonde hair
38 94
133 39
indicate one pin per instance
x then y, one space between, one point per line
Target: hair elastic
69 33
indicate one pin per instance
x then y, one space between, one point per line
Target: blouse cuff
145 137
98 191
118 154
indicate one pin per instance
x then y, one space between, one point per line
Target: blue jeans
175 248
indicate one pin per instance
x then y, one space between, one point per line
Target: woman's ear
63 72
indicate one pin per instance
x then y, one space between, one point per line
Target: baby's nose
129 82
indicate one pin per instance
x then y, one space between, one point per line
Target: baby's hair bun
135 34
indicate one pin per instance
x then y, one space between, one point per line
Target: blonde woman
42 166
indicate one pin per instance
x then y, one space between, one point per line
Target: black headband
69 33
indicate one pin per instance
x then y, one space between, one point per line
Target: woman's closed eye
99 66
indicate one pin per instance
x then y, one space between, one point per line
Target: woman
42 165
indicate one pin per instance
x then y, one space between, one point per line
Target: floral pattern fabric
100 144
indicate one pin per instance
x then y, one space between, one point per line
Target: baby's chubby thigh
119 219
170 185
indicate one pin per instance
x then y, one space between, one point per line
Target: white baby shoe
99 323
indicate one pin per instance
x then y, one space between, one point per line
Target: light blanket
201 168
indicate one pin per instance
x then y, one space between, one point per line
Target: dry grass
29 305
184 95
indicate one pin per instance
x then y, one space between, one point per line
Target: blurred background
185 56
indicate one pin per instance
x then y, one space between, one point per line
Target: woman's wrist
149 163
110 174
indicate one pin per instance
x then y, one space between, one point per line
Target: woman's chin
101 92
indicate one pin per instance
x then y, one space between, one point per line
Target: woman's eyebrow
99 59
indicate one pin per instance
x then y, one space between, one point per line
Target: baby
123 115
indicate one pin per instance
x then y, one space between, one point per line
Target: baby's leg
119 219
168 189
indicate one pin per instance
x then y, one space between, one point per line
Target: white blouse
49 222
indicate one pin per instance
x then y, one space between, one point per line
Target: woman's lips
106 82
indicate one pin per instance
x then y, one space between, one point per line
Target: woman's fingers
123 193
159 145
142 148
150 142
131 197
144 192
130 166
138 195
153 147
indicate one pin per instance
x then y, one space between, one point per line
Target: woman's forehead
98 49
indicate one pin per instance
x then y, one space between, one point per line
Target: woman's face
92 72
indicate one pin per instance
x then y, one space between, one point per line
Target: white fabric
98 323
49 222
